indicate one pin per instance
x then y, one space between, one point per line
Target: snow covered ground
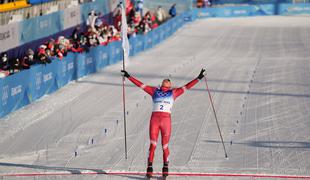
258 71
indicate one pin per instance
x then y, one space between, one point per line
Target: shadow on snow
270 144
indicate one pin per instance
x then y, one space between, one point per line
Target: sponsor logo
16 90
118 51
240 12
294 9
48 77
5 95
204 14
89 60
38 80
44 24
64 69
104 55
70 66
4 35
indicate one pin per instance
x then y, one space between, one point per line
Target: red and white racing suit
163 99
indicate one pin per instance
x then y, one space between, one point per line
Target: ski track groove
275 61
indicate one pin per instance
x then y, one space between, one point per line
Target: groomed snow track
258 71
157 175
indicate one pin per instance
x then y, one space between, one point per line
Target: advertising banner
293 9
27 86
237 11
40 27
14 92
9 36
71 17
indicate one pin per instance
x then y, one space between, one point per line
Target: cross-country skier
163 99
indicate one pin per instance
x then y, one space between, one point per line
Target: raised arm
179 91
148 89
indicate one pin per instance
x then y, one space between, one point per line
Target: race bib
162 101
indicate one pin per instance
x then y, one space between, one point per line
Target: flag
125 42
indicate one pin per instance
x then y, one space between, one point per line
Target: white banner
125 41
9 37
72 17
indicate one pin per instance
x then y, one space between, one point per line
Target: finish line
155 173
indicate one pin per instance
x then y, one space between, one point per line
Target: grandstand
13 5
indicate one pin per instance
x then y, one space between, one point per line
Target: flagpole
124 36
124 108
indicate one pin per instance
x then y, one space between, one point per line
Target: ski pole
217 123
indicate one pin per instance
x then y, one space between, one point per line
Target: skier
163 99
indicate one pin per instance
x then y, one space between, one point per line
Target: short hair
167 80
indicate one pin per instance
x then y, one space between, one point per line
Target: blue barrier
66 70
138 47
292 9
42 80
27 86
101 55
251 10
14 92
236 11
132 41
250 1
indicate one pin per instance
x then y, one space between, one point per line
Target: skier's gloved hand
125 73
201 74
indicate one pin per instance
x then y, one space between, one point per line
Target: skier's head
166 83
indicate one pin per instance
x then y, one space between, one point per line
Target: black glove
201 74
125 73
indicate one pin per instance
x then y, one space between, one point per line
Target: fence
256 1
252 10
27 86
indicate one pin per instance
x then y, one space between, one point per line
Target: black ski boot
149 170
165 169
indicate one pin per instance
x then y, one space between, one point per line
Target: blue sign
237 11
14 92
132 42
66 70
138 46
40 27
250 1
101 56
85 63
292 9
35 84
